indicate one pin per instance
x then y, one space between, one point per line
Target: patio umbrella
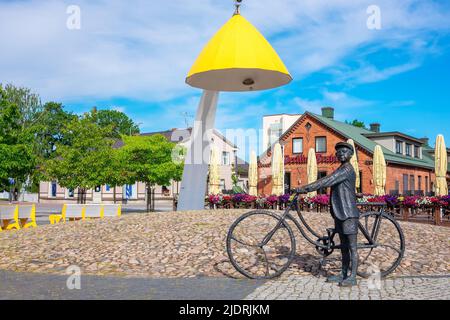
253 175
379 171
354 162
277 170
311 170
214 174
237 58
441 166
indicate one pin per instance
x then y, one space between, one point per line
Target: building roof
282 114
360 137
168 134
393 134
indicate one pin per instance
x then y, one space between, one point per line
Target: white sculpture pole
193 185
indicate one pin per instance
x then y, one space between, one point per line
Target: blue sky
134 58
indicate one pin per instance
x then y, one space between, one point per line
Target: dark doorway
287 182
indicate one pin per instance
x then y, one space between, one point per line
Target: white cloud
118 108
144 50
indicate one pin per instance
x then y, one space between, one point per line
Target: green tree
29 103
120 122
47 131
81 160
149 159
117 172
356 123
16 157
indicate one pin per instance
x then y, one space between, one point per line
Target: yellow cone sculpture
311 170
253 175
379 171
441 163
277 170
237 58
355 165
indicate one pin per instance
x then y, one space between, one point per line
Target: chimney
328 112
426 141
375 127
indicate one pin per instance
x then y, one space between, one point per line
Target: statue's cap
340 145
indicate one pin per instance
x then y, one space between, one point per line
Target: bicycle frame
330 236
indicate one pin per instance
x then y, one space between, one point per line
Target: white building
275 125
51 192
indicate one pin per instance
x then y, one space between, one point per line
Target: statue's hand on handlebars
300 190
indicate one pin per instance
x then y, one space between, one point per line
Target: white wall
285 121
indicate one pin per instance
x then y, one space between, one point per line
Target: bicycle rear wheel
388 249
253 253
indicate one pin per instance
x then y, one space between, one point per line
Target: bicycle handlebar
297 191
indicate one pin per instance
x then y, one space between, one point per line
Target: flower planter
414 208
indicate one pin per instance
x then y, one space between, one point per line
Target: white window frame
134 193
222 185
301 145
417 152
67 196
408 146
226 161
316 144
50 195
399 143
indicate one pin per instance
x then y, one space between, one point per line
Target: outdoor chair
73 212
27 216
93 211
112 210
9 217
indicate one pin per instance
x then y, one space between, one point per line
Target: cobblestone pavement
33 286
314 288
183 245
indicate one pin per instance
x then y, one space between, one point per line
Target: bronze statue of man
343 210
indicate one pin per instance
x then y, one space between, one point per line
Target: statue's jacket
343 194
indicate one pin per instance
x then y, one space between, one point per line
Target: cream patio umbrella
355 165
277 170
441 166
253 175
379 171
311 170
214 174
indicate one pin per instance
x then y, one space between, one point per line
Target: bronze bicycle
261 243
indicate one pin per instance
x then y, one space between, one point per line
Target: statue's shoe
349 282
335 279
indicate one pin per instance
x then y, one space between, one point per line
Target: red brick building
410 161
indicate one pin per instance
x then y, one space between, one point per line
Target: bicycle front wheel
260 245
388 248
